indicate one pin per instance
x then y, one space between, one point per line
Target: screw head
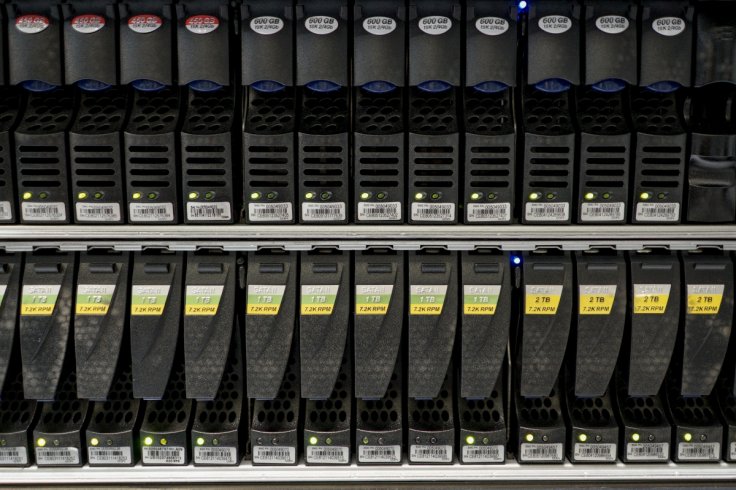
259 441
433 440
486 440
651 437
545 438
380 440
275 441
328 441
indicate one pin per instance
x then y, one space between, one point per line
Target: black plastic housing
483 433
491 30
18 415
45 322
96 157
378 320
324 322
146 41
611 44
594 431
155 313
433 315
541 432
41 156
34 42
726 403
90 51
379 42
100 319
322 28
435 29
553 42
267 41
714 47
11 268
666 42
10 105
209 315
431 423
203 41
697 432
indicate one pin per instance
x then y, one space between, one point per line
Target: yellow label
94 299
372 299
39 300
651 299
264 299
596 300
149 300
542 299
704 299
427 300
202 300
318 299
480 300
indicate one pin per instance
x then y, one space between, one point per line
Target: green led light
99 195
470 440
491 196
193 195
328 441
661 195
365 440
606 195
529 437
255 195
313 441
82 195
41 442
271 196
486 440
148 441
163 441
635 437
94 441
381 196
687 437
582 437
535 196
645 196
325 195
137 195
420 196
436 195
589 196
310 195
209 195
200 441
365 195
27 195
551 195
152 195
43 195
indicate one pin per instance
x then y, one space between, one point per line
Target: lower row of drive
376 356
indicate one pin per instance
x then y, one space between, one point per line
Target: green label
202 300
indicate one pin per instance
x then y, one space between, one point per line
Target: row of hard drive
374 357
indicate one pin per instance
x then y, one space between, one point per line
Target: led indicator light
535 196
381 196
328 440
193 195
313 441
310 195
582 437
41 442
94 441
365 440
148 441
589 196
200 441
645 196
82 195
27 195
687 437
529 437
635 437
209 195
365 195
255 195
475 196
43 195
163 441
470 440
516 260
137 195
419 196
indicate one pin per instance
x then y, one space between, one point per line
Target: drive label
39 300
704 299
542 299
651 299
427 300
480 300
419 453
94 299
372 300
274 455
319 299
202 300
596 300
264 300
149 300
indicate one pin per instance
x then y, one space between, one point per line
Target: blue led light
516 260
553 85
204 86
323 86
490 87
665 87
38 86
268 86
609 86
89 85
523 4
379 87
434 86
145 85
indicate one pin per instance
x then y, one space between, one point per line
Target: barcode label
489 212
379 454
602 211
57 456
208 211
271 211
98 211
483 454
13 456
432 211
658 211
110 455
323 211
547 211
6 211
146 212
430 454
699 451
327 455
274 455
43 211
215 455
648 451
379 211
595 452
541 452
163 455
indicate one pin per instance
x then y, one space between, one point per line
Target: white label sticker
547 211
6 211
109 455
612 24
328 455
602 211
13 456
321 24
435 25
426 211
669 26
271 211
31 23
658 211
483 454
379 211
555 24
699 451
163 455
430 454
274 455
43 211
489 212
202 24
379 26
379 454
266 25
215 455
144 23
208 211
55 456
595 452
732 452
541 452
98 211
492 26
88 23
323 211
3 289
648 451
149 212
